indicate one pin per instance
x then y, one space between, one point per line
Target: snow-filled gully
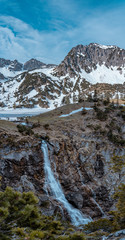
77 218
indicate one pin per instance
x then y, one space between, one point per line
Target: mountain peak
88 57
102 46
33 64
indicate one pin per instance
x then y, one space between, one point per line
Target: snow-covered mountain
83 70
95 63
9 69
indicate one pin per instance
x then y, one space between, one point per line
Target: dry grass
8 126
53 116
120 101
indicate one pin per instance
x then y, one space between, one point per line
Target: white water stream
77 218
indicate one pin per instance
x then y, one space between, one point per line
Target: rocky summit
89 57
84 70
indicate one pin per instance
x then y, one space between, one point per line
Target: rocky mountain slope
84 70
81 148
90 57
9 69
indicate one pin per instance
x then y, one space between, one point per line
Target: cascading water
77 218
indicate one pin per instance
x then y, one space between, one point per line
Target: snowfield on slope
102 74
8 73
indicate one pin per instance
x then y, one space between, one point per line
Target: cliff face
35 64
88 57
80 153
12 65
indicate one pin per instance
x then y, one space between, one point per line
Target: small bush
97 127
106 101
75 236
118 163
119 214
102 116
35 125
104 224
46 126
24 129
115 139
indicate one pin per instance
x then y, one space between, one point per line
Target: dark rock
12 65
4 62
15 66
101 193
35 64
99 167
2 76
56 146
75 199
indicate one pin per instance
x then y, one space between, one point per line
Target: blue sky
48 29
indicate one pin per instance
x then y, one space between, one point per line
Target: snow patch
102 74
32 94
9 73
75 111
104 46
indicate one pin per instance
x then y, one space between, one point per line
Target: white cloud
19 40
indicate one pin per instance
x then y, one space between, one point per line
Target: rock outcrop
12 65
35 64
2 76
80 153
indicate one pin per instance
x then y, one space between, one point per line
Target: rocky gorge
80 151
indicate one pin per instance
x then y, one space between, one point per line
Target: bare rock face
99 167
79 159
76 199
88 57
35 64
15 66
4 62
2 76
12 65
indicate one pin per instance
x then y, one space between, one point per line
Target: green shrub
106 101
101 115
115 138
18 210
104 224
25 129
20 216
119 214
118 163
46 126
74 236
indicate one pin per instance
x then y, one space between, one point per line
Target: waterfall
77 218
